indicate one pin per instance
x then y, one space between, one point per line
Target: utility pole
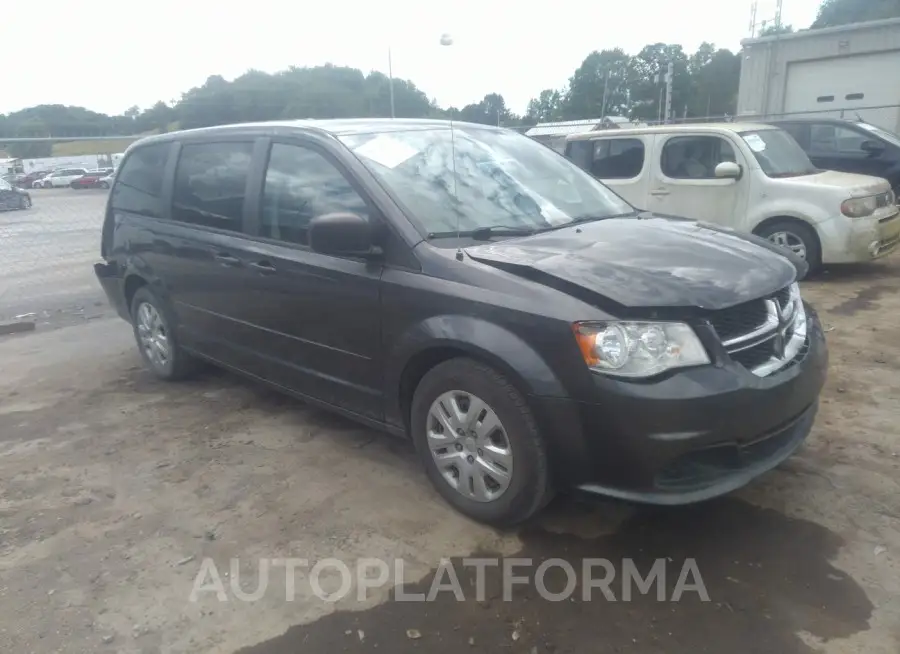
670 73
753 10
605 95
391 80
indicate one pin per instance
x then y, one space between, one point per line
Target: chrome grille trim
785 326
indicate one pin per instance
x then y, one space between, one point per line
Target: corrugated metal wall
765 62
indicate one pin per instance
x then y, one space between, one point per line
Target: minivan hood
648 261
857 185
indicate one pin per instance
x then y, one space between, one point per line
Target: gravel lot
46 257
115 488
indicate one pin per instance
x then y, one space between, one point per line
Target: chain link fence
49 242
50 228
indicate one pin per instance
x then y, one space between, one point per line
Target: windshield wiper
591 219
484 233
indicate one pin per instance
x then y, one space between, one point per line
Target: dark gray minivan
470 289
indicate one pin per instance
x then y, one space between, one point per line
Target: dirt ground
115 488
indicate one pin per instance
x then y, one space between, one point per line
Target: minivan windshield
778 154
883 133
472 178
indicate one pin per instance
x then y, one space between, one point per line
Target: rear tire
157 339
797 236
475 455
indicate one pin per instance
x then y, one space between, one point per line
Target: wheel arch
783 218
446 337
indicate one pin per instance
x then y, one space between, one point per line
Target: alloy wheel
153 335
469 446
790 241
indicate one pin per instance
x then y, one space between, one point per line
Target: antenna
459 252
447 40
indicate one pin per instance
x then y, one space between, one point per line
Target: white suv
61 177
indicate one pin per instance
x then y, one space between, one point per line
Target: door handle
226 259
264 267
659 191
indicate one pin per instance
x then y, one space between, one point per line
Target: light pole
391 81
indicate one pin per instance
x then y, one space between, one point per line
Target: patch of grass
74 148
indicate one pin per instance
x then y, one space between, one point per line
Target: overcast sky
110 56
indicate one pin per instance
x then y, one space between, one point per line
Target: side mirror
874 148
728 170
343 234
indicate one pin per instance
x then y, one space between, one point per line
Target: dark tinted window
695 157
210 184
617 158
829 139
300 185
138 186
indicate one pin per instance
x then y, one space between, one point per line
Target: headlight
638 349
859 207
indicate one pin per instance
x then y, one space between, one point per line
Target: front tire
157 339
798 237
479 443
24 202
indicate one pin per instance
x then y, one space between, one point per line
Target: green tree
491 110
772 30
648 94
599 86
545 108
844 12
714 78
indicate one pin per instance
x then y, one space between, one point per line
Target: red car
91 179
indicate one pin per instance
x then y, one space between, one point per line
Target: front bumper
691 436
852 240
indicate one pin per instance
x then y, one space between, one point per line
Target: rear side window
609 158
617 158
138 187
211 184
829 139
695 157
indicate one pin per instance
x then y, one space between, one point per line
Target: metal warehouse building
839 71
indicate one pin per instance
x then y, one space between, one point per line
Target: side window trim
168 181
256 182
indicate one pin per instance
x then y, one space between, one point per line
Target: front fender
480 339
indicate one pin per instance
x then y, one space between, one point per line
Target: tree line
608 82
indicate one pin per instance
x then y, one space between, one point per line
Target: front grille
741 319
755 356
761 335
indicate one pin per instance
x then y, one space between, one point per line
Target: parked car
853 147
752 178
90 179
30 178
12 197
107 181
61 177
14 179
468 288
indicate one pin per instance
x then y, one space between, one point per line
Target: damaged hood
649 261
